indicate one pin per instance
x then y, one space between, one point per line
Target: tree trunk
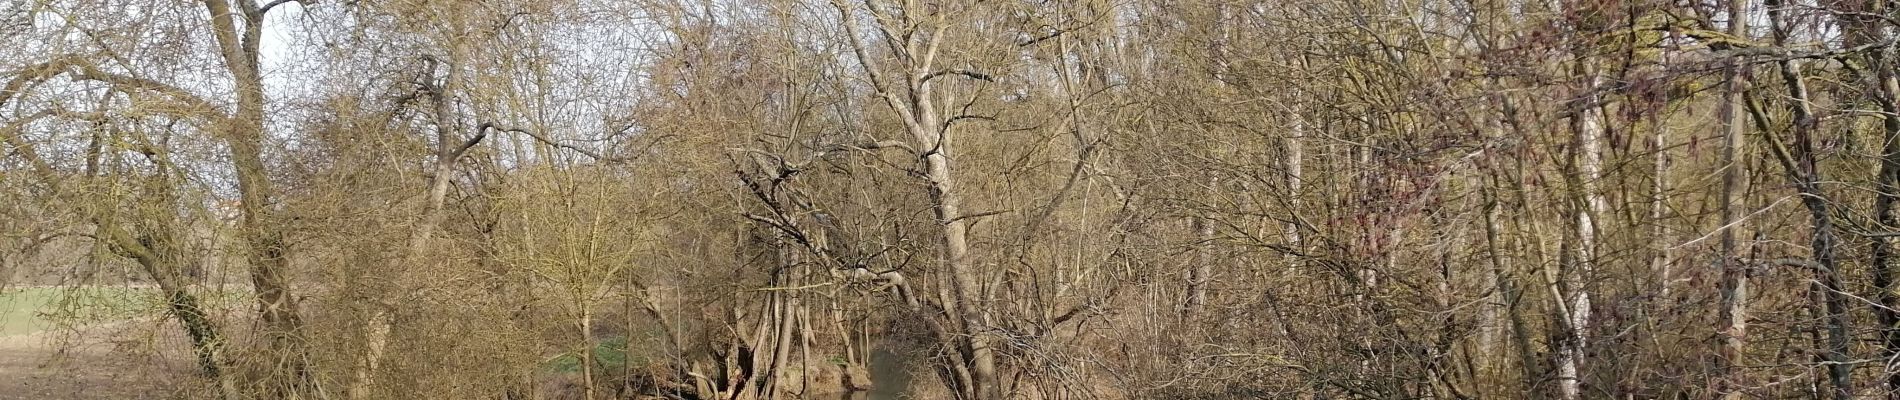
158 257
1575 281
782 347
1734 329
912 97
1200 272
448 150
1658 202
1887 182
963 280
1886 274
1800 165
244 135
586 326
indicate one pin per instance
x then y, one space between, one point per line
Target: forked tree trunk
244 137
448 150
912 97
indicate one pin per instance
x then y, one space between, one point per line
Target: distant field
32 309
18 308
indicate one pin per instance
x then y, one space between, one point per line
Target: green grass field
19 309
27 310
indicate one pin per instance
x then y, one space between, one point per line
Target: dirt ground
94 362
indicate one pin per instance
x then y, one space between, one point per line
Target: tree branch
976 215
10 134
551 142
273 4
36 72
480 133
971 74
130 83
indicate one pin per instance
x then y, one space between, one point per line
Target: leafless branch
967 73
274 3
551 142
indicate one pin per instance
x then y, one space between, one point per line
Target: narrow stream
890 373
890 376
